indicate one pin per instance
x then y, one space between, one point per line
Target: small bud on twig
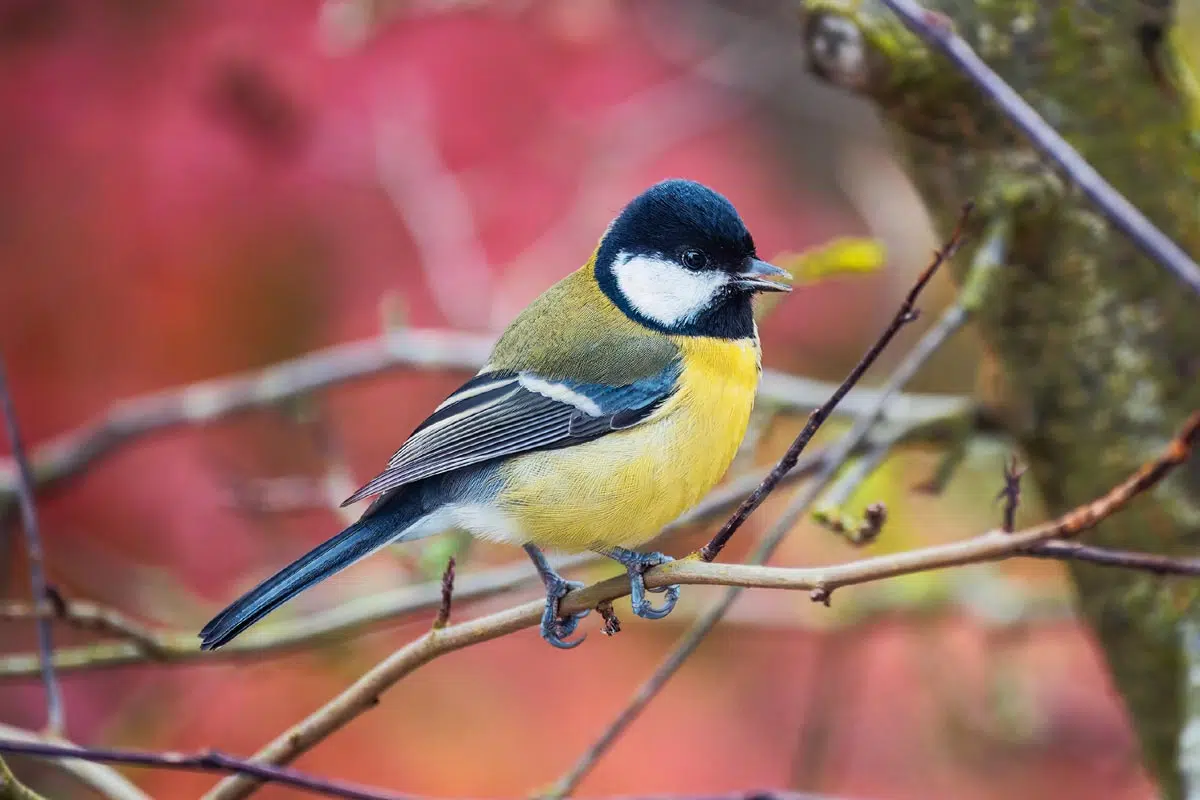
1011 493
612 625
443 615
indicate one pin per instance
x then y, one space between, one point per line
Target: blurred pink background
190 189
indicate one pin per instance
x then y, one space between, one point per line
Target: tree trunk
1098 346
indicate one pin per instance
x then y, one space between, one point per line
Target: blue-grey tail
357 541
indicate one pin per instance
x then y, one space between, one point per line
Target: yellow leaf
847 256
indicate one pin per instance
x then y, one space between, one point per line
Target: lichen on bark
1099 346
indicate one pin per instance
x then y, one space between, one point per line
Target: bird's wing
503 413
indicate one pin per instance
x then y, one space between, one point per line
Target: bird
612 404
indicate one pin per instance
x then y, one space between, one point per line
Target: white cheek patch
661 290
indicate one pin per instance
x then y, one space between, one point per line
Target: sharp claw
565 626
561 642
647 611
556 629
636 565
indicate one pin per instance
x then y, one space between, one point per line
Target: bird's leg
556 629
636 564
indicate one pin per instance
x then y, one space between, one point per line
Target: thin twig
905 314
854 476
933 30
1011 493
201 762
142 643
431 203
282 495
88 616
704 624
831 515
1142 562
55 713
104 781
952 319
364 693
13 789
205 402
443 616
339 711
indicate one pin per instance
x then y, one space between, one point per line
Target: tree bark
1098 347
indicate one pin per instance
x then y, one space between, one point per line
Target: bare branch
829 465
1011 493
205 402
142 643
55 713
905 314
952 320
1143 562
199 762
431 202
862 530
364 693
443 616
90 617
1076 551
13 789
103 780
938 32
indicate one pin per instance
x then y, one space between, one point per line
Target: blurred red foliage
193 188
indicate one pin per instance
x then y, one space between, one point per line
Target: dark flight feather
498 416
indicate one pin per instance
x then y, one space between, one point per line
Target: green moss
1098 344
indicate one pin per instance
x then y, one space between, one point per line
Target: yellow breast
622 488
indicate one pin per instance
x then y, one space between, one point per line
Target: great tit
610 406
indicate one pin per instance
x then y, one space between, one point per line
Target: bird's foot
555 628
636 564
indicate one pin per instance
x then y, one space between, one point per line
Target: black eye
694 259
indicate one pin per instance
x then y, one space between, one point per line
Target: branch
431 202
103 780
974 290
90 617
904 315
143 644
443 615
1105 557
364 693
55 714
938 33
204 402
13 789
1011 493
864 529
1060 550
199 762
350 703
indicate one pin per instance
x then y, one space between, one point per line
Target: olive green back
574 331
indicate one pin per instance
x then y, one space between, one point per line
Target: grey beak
753 278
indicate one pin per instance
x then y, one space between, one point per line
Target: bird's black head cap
680 260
